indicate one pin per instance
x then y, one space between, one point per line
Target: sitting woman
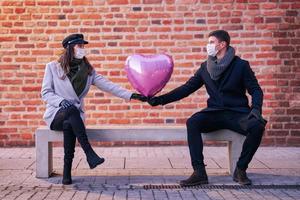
66 82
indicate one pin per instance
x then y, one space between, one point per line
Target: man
227 78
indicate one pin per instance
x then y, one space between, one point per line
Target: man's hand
65 104
139 97
155 101
256 113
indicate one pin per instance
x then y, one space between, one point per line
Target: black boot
67 180
93 159
69 150
198 177
79 131
240 176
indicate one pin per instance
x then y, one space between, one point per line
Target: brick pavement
128 169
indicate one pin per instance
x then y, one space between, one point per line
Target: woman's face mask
79 52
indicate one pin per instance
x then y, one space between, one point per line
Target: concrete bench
44 138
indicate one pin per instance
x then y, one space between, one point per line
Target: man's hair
221 35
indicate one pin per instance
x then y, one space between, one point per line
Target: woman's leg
61 124
69 149
77 125
69 121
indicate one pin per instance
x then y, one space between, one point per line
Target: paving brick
200 195
133 195
162 163
107 195
53 194
40 195
281 163
127 183
13 195
147 195
120 195
26 195
79 195
174 194
16 163
93 195
186 194
160 194
66 195
186 163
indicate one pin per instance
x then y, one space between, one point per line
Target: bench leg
234 151
44 157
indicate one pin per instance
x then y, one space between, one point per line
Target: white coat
55 89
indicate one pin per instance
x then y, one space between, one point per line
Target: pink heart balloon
149 74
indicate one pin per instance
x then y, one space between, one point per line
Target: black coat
228 93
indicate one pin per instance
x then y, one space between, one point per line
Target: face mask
79 53
211 49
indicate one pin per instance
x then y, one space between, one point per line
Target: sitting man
226 77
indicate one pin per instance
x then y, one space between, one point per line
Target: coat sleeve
193 84
106 85
47 92
253 87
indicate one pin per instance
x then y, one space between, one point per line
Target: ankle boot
93 159
198 177
67 180
240 176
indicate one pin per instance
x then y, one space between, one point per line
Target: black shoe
94 160
67 180
198 177
240 176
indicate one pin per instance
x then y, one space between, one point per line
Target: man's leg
196 124
251 144
254 132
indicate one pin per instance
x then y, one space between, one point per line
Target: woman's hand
65 104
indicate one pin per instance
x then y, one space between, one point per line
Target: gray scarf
215 68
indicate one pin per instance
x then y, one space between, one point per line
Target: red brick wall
264 32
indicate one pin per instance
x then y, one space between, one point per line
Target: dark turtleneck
78 75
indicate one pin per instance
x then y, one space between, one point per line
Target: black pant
203 122
69 121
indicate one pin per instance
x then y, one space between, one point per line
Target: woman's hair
67 56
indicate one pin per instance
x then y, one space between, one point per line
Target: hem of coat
50 119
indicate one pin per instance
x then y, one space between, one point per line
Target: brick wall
264 32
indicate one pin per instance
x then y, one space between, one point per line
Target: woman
66 82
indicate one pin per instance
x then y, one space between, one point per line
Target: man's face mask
79 53
211 49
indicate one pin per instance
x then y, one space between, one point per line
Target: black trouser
203 122
69 121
